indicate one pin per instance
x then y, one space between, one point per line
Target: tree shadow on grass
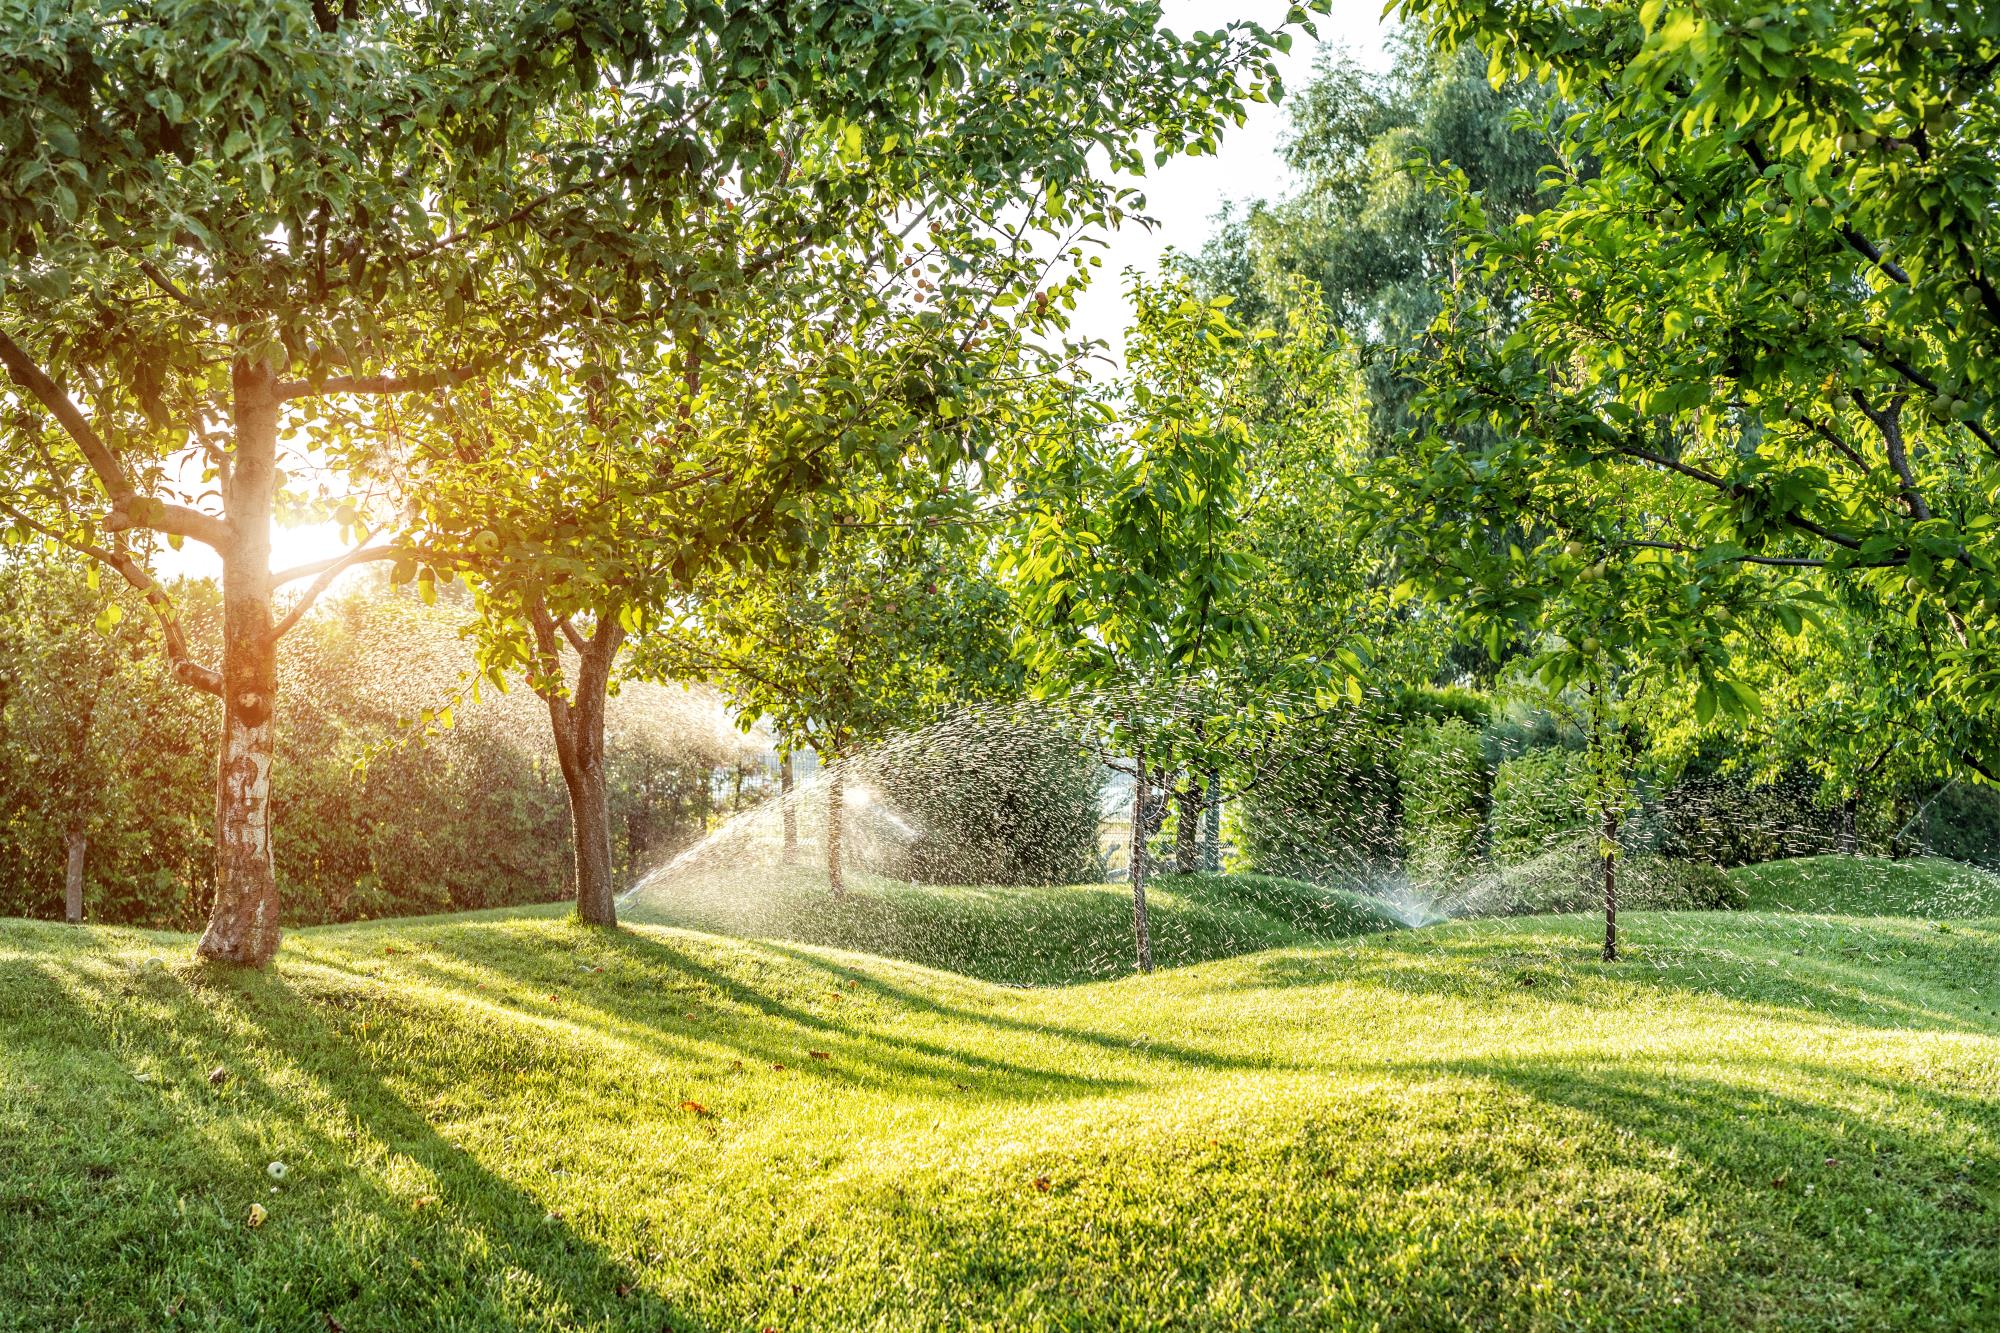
1842 1198
340 1241
640 1001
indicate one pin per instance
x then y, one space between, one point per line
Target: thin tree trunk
1142 936
787 810
243 922
1850 842
1211 834
79 846
1187 828
836 828
1610 852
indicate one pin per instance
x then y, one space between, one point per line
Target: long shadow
1909 1222
1146 1047
482 1224
623 1005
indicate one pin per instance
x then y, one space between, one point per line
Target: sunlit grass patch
508 1120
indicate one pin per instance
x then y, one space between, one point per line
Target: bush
1325 807
990 802
1540 800
1441 770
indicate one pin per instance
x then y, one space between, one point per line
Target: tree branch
417 383
329 571
177 520
173 641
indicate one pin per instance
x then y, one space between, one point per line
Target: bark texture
243 922
577 718
1187 828
79 847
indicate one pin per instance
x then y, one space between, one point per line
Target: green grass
1755 1120
1034 936
1924 887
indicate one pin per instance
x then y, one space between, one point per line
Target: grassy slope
1019 935
1924 887
1755 1119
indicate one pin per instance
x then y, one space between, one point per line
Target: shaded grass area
510 1121
1929 888
1022 935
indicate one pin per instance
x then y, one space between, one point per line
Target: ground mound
1018 934
1928 888
509 1121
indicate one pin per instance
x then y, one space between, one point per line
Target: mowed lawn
509 1121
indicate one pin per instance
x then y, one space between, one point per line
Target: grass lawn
1864 886
1022 935
508 1121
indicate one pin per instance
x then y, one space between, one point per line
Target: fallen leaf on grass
779 1068
1044 1184
819 1055
256 1217
696 1108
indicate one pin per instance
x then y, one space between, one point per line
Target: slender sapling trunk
1211 833
836 828
1610 854
79 847
1142 937
789 812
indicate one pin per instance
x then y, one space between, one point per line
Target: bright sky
1183 197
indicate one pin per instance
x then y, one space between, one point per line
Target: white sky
1182 197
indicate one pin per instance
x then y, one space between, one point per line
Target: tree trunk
787 810
1610 852
1142 936
578 723
1187 828
1850 842
1211 833
836 828
243 922
73 878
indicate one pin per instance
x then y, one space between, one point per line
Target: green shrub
1325 806
991 802
1570 878
1540 800
1441 771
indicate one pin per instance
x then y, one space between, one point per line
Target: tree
72 696
1130 573
229 247
874 224
1744 334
